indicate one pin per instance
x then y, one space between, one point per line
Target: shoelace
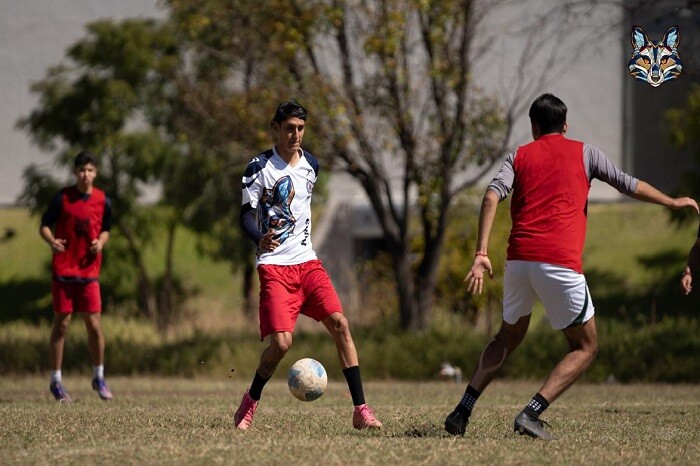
543 422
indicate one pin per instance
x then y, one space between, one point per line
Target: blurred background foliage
178 104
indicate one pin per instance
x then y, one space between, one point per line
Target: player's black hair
83 158
549 112
288 109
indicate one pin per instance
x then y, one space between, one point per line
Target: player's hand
683 202
58 245
268 243
687 283
475 277
96 246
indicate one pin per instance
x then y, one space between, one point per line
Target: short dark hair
288 109
83 158
549 112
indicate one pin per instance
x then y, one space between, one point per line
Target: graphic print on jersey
82 228
274 209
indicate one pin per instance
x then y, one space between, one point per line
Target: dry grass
183 421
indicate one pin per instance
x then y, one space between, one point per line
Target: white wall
34 35
588 75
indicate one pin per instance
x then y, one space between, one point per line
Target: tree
685 135
391 81
91 102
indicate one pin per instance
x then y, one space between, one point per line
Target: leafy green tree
391 81
685 135
96 100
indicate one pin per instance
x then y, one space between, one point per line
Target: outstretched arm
646 192
475 277
693 266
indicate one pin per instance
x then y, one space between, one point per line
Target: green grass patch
648 330
664 352
189 421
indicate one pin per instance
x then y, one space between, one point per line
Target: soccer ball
307 379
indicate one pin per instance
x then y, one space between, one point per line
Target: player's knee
592 348
341 326
60 326
281 343
508 339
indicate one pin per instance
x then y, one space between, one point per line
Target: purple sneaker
102 389
59 392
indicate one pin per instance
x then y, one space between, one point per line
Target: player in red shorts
81 217
276 215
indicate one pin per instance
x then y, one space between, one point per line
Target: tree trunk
404 288
248 289
146 292
166 312
427 274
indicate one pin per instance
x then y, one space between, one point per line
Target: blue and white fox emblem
658 62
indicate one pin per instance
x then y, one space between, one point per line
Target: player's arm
487 214
498 189
648 193
600 167
47 221
249 225
252 190
98 243
247 222
692 267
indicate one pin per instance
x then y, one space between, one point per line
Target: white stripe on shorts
562 291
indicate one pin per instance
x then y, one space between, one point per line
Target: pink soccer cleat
363 418
102 389
243 418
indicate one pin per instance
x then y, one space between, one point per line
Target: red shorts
71 297
289 290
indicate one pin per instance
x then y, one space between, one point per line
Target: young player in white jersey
276 216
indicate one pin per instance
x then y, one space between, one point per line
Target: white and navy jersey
280 196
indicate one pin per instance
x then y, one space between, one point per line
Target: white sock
56 376
98 372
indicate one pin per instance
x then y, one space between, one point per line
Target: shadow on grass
660 296
27 300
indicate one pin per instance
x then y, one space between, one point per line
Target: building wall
652 156
34 35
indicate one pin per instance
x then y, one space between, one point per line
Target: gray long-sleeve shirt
595 162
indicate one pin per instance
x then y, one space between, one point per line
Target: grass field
189 421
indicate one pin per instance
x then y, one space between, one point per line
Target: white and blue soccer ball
307 379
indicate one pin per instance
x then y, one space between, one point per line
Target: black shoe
456 423
534 427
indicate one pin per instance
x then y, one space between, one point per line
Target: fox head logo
658 62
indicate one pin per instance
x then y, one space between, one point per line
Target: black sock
352 375
536 406
466 404
257 386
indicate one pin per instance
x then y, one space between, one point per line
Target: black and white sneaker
456 423
534 427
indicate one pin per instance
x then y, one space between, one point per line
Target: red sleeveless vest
79 222
550 198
